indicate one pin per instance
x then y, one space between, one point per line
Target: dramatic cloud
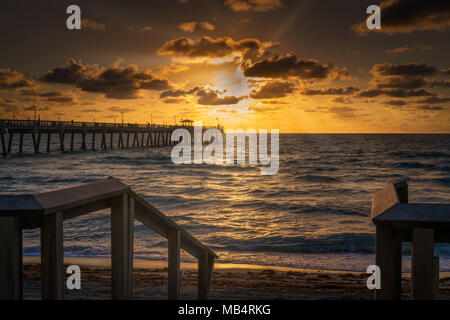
116 82
396 103
71 73
274 89
51 96
430 108
92 25
193 26
8 105
405 16
206 96
411 69
119 82
253 5
288 67
394 93
212 48
400 81
439 83
11 79
434 100
330 91
211 97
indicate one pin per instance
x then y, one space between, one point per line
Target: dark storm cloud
330 91
9 105
286 67
405 16
396 102
436 83
411 69
11 79
115 82
399 83
274 89
71 73
211 97
434 100
205 96
178 93
394 93
212 48
49 96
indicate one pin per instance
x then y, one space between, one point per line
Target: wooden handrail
48 211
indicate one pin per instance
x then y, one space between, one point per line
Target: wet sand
228 282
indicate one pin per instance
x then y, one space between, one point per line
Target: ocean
314 214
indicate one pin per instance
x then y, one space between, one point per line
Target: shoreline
229 282
105 263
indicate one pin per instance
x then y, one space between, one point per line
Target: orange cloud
253 5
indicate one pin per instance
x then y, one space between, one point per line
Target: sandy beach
230 281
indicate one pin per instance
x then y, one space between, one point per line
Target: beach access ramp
47 211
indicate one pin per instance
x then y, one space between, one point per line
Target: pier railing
47 211
112 135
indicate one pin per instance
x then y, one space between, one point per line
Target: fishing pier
84 136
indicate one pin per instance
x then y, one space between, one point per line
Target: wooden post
111 135
72 141
389 259
422 267
61 140
52 257
2 137
205 267
174 264
119 246
38 143
83 140
49 138
93 140
436 277
130 246
103 144
21 143
10 259
10 142
120 141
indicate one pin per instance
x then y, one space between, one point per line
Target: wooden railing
421 224
47 211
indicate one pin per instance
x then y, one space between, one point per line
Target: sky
295 65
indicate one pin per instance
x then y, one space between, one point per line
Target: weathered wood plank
416 215
52 257
422 265
10 259
174 264
119 247
389 259
72 197
203 275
